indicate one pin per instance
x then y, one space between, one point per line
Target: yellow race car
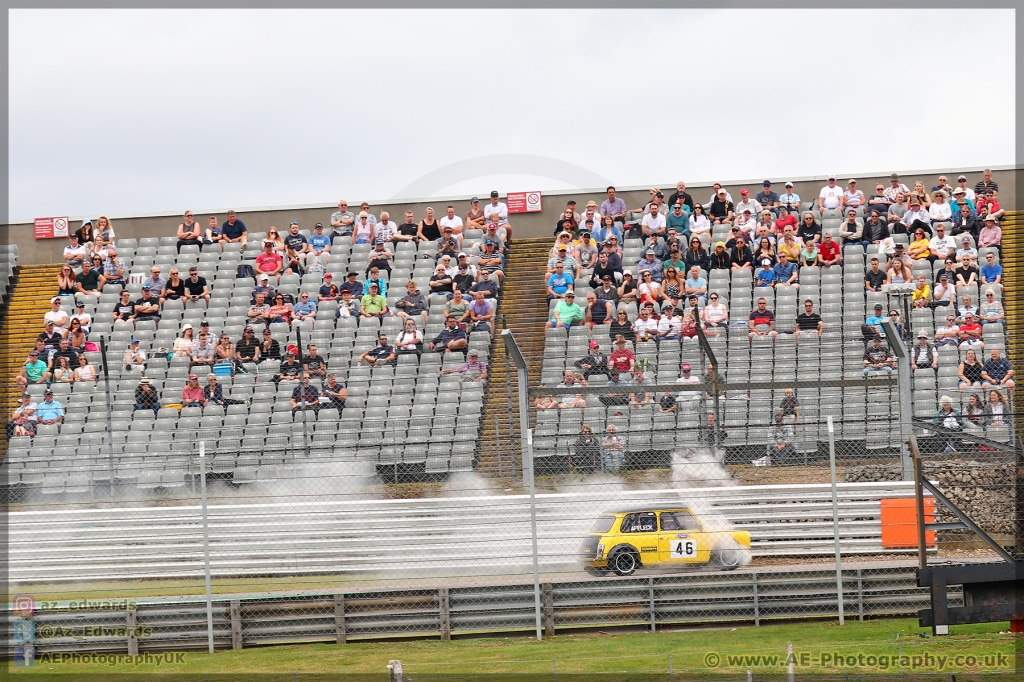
624 541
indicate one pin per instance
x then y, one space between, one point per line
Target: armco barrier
654 601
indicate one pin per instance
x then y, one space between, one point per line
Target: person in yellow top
922 295
919 248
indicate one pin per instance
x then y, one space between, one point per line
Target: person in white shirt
830 196
853 197
670 326
498 207
747 203
968 192
84 318
590 213
715 188
940 209
941 245
746 222
646 326
453 221
653 223
57 316
967 251
387 230
688 399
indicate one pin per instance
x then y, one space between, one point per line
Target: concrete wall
542 224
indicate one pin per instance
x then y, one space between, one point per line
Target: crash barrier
652 601
377 540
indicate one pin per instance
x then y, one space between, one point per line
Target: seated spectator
876 319
740 256
997 372
970 333
645 326
649 291
628 289
409 340
414 303
970 370
458 308
636 399
566 312
441 283
721 209
606 290
447 245
147 307
335 392
598 311
949 334
225 352
463 279
715 313
189 232
991 310
213 392
348 306
89 282
291 368
719 259
268 349
135 357
650 263
66 285
761 321
305 396
922 295
673 287
942 294
85 371
852 228
996 410
213 233
485 285
382 354
342 221
233 231
75 336
380 258
58 317
373 305
319 244
948 269
920 247
764 276
314 364
294 261
875 277
263 287
452 338
481 312
696 284
808 322
23 419
472 370
877 358
991 235
305 309
570 400
613 449
63 372
829 252
75 253
328 291
991 272
923 354
546 402
248 347
196 287
193 395
670 326
942 245
594 363
259 312
49 411
352 284
274 236
492 262
875 230
563 239
281 310
270 262
966 274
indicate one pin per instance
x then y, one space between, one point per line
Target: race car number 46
684 549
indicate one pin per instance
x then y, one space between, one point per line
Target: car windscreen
603 524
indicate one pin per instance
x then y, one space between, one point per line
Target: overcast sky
129 111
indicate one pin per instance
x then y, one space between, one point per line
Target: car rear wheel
726 559
625 561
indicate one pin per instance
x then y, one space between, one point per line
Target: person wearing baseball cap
594 363
192 395
501 209
768 199
566 312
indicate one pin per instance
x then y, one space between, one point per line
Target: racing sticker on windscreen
684 549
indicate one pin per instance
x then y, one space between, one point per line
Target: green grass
620 657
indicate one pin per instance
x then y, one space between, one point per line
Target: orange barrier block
899 522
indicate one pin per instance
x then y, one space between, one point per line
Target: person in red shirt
990 200
192 395
270 262
970 333
829 252
761 321
785 218
622 359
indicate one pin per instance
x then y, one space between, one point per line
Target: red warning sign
523 202
51 228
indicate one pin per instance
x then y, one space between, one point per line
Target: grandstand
399 417
408 422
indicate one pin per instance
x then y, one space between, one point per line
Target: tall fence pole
206 546
110 421
835 517
302 394
512 348
903 384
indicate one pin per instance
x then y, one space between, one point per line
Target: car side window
678 521
642 522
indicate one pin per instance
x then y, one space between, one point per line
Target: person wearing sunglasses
991 310
189 232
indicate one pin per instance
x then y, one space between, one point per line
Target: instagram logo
24 605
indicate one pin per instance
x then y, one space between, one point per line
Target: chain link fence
674 480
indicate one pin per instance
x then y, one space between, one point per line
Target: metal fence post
302 389
903 384
206 546
512 349
835 517
110 407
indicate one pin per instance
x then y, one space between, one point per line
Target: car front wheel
625 562
726 559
